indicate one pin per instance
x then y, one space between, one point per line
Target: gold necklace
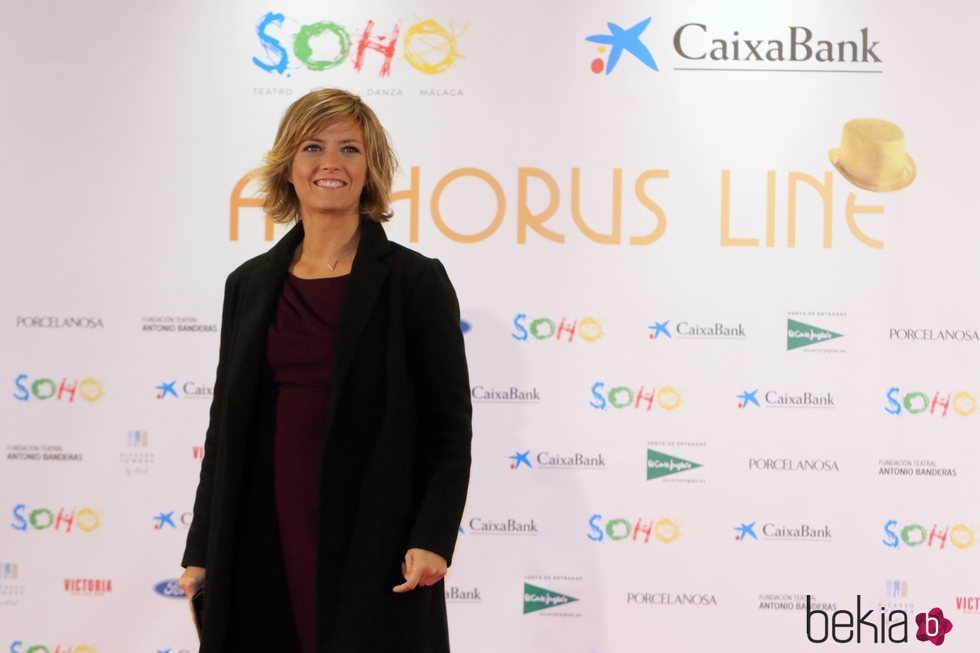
340 258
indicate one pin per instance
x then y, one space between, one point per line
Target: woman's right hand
192 580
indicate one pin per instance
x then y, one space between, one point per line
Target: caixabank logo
29 389
556 329
172 520
700 46
785 399
482 525
187 390
886 627
288 45
901 401
551 460
663 331
488 394
463 595
542 595
773 532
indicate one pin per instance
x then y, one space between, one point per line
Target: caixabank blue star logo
618 41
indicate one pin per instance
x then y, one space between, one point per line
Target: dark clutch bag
197 610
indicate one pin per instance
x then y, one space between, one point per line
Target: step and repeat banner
718 271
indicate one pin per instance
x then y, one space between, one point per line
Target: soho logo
420 40
664 530
588 329
916 402
622 396
42 389
913 535
41 519
18 646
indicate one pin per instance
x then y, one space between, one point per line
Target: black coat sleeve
195 552
437 363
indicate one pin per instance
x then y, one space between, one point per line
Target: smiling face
329 169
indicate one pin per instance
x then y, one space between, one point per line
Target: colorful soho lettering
665 530
916 402
424 32
543 328
41 519
623 396
41 389
961 536
18 647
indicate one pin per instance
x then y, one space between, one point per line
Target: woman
337 457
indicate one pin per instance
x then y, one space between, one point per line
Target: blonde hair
306 117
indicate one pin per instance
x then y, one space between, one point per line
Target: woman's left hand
423 568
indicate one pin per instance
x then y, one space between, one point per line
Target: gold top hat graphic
872 155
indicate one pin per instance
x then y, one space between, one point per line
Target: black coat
397 456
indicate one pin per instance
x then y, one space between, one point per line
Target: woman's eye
351 148
312 147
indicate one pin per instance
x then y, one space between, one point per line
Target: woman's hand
421 567
192 580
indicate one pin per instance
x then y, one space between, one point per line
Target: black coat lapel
258 303
367 278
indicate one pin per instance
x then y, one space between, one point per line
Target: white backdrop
552 193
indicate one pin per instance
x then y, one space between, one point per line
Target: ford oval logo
170 589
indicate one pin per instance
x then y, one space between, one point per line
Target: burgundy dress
275 596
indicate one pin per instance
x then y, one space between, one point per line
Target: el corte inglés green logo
799 334
537 598
660 464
